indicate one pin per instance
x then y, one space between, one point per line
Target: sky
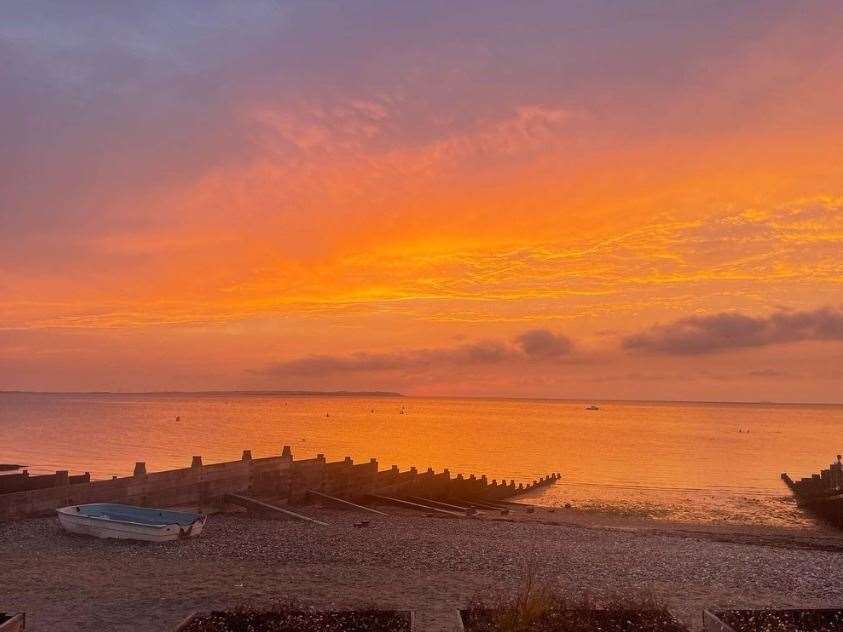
633 200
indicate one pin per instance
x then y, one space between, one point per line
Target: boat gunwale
66 511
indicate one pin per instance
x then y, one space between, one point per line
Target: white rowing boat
110 520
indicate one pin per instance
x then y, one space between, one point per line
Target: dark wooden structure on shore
267 481
821 494
25 482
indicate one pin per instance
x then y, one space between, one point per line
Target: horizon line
378 393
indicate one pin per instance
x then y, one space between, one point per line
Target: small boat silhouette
593 407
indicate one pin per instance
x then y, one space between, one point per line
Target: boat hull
75 521
14 623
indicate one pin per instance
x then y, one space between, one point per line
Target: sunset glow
411 197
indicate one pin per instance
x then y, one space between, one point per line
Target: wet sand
407 560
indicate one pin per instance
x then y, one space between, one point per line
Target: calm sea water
689 462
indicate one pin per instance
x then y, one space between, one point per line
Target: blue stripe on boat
139 515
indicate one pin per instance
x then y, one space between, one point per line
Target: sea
687 462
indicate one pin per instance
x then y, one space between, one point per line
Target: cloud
707 334
541 343
770 373
534 345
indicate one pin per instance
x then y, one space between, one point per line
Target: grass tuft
537 606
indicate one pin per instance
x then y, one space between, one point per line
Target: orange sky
541 199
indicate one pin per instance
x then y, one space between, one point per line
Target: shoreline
817 536
407 560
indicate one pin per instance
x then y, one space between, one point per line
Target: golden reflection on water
699 462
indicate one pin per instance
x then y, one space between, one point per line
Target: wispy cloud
663 265
198 180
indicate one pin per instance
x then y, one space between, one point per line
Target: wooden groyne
826 483
25 482
279 478
821 494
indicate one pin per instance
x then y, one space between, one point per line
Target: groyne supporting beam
509 504
254 504
412 505
345 502
439 503
490 504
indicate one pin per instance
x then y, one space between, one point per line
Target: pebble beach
407 560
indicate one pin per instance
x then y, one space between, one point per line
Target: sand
405 561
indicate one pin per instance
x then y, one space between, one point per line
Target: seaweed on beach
299 619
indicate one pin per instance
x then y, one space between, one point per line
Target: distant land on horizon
341 393
234 392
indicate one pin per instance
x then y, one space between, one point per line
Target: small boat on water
593 407
821 495
110 520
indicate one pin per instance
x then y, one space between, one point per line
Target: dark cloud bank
694 335
533 345
697 335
